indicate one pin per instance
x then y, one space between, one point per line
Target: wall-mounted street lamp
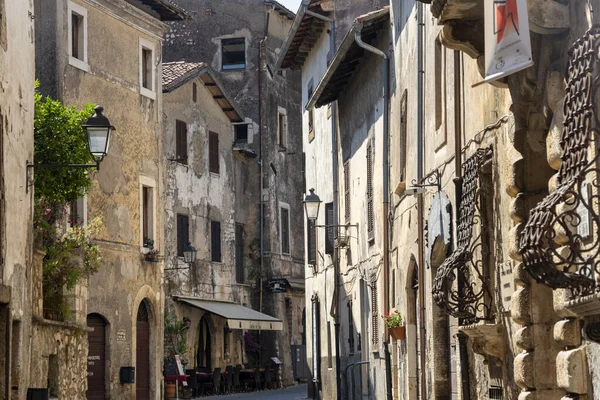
312 203
98 130
189 257
420 187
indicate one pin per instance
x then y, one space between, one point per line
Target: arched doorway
142 353
413 339
204 344
96 365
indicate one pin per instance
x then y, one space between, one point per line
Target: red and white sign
507 41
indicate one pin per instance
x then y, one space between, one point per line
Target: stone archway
413 340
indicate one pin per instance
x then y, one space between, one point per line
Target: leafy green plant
69 258
60 139
175 335
393 320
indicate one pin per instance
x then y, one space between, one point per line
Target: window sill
79 64
215 174
147 93
236 69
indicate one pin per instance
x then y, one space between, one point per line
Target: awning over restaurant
237 316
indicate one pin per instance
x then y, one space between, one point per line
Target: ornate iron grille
560 242
469 297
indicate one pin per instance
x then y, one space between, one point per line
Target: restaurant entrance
204 345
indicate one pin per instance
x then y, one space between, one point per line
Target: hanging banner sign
507 42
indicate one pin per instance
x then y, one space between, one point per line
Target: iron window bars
560 243
460 286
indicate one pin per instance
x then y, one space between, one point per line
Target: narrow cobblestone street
291 393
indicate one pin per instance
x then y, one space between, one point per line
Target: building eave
347 58
304 33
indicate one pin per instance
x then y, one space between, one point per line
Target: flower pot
398 333
169 390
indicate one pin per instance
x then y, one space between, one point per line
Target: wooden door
96 365
142 354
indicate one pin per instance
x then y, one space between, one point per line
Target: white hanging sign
507 42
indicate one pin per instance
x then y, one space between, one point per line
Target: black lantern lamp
189 254
98 129
312 202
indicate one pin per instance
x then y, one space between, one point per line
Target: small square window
215 235
241 133
147 69
282 127
284 227
233 53
213 152
181 146
77 29
183 233
147 213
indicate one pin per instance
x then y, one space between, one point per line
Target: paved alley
290 393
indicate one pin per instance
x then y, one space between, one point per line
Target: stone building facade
109 53
490 309
17 74
203 182
240 41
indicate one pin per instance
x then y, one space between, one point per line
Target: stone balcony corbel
488 340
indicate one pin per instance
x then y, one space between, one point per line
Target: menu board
180 370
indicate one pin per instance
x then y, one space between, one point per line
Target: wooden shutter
213 152
403 118
350 328
215 233
330 229
347 191
370 221
285 231
312 243
183 230
181 142
239 253
374 315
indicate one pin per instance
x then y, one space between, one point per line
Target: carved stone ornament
460 286
488 340
560 244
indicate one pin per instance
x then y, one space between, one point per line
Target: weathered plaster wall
202 195
112 81
17 67
283 183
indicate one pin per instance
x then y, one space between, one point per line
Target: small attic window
233 53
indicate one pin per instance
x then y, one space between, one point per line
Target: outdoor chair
192 381
257 380
236 379
228 384
215 384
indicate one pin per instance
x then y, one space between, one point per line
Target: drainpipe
261 163
336 259
420 227
386 195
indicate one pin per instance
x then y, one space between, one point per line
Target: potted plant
152 256
395 324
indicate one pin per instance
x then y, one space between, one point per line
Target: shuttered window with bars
284 219
347 191
181 152
330 229
370 220
374 315
311 243
213 152
183 233
215 241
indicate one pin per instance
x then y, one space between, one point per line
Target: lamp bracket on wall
434 179
33 166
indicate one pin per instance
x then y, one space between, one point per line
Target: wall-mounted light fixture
420 187
189 257
98 130
312 203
